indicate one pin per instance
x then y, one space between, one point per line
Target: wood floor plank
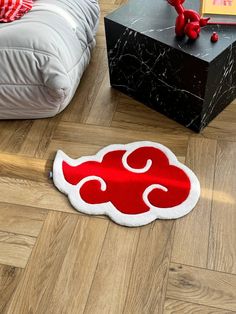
192 231
180 307
104 2
33 194
104 105
9 279
109 7
101 41
72 288
36 286
81 264
15 249
222 243
30 145
202 286
148 282
7 129
15 166
120 1
133 115
71 149
36 194
15 134
221 130
100 135
223 127
110 284
76 151
21 219
47 136
91 81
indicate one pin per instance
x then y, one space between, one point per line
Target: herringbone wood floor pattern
55 260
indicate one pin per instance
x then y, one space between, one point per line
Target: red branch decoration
188 22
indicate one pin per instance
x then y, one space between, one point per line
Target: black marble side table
190 82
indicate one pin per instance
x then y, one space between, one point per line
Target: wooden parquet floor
55 260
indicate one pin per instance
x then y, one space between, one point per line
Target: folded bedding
43 56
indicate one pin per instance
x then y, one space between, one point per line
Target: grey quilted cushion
43 56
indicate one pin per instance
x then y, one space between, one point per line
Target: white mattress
43 56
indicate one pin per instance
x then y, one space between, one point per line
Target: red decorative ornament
214 37
188 22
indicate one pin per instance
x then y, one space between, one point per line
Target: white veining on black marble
156 19
190 82
157 30
226 85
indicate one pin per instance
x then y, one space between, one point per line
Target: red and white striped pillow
11 10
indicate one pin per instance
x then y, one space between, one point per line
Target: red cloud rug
133 184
